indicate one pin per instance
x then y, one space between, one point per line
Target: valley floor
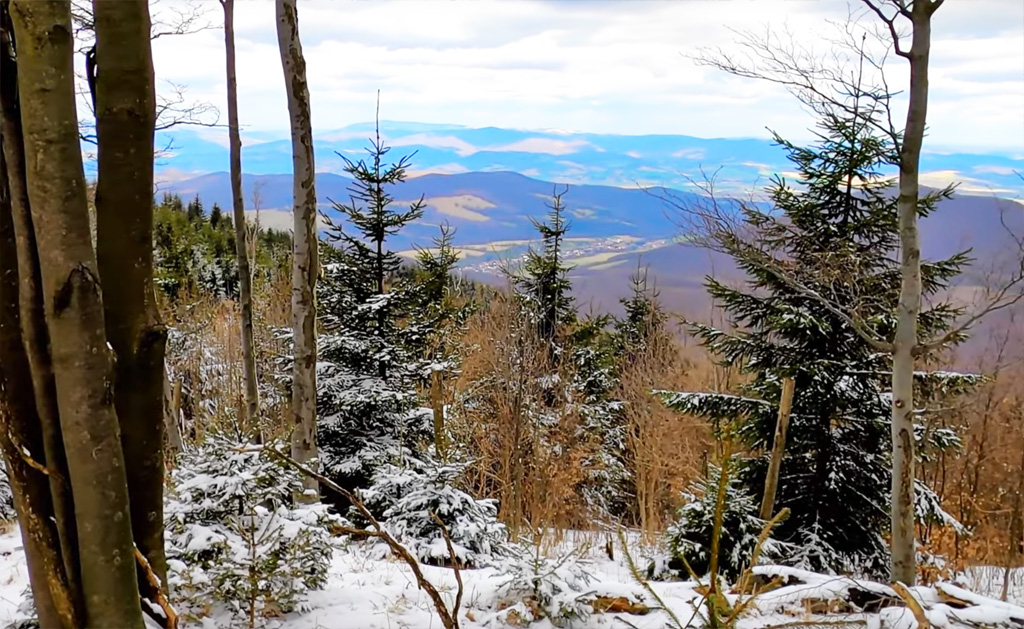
366 591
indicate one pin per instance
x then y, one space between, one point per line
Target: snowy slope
367 591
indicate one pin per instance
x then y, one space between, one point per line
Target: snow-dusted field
366 591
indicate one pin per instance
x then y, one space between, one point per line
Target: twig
156 593
455 564
857 622
27 456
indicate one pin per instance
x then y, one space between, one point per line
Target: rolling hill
614 230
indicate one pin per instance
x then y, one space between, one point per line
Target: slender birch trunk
82 360
905 343
304 254
252 402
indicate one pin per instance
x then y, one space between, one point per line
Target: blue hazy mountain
483 206
580 158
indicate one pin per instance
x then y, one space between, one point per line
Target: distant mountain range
672 161
489 183
614 230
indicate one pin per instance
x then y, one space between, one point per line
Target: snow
365 591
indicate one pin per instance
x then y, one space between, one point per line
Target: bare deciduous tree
304 238
125 119
252 402
173 107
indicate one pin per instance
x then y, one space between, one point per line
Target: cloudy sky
604 67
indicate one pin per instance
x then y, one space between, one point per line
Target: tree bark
905 342
771 481
35 336
437 409
304 254
241 250
20 428
82 361
172 414
125 120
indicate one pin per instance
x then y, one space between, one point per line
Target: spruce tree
368 367
544 282
580 363
440 309
834 230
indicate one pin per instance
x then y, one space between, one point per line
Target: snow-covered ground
367 591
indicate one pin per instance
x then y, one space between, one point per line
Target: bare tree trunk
771 481
125 119
252 402
304 255
905 342
35 336
82 360
20 429
437 407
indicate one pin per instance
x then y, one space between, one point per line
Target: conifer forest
419 375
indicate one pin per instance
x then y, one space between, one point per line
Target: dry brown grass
206 358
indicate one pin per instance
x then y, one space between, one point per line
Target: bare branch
822 83
891 25
185 21
449 619
173 109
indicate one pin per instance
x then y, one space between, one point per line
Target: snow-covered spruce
540 586
823 240
689 536
406 495
232 536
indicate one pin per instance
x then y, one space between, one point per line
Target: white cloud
996 170
441 169
690 154
461 147
598 67
546 146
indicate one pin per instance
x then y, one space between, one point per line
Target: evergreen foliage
554 586
688 537
195 252
7 511
407 495
581 363
233 537
544 282
632 339
835 232
441 310
371 338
